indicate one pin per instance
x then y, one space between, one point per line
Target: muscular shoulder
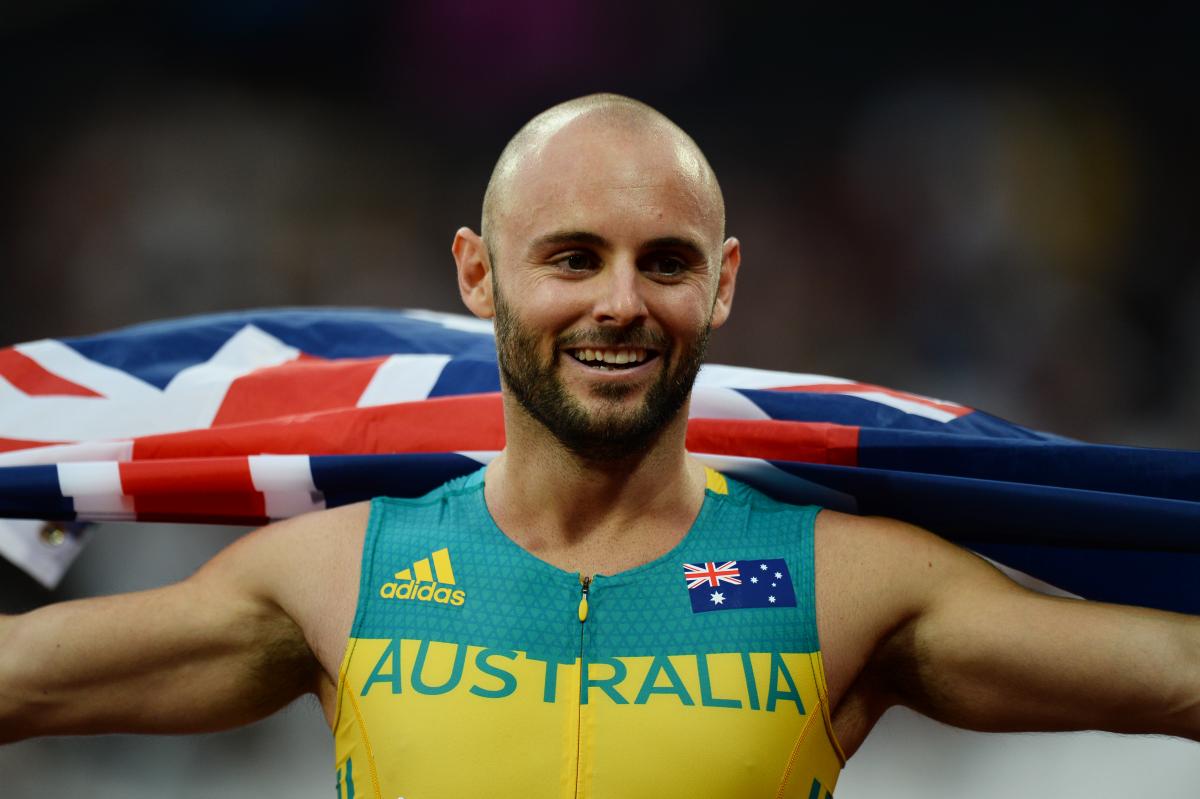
273 558
876 578
308 567
865 587
874 561
895 560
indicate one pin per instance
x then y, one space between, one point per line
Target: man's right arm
211 652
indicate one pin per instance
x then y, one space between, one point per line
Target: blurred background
994 206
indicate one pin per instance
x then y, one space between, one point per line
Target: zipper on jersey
585 584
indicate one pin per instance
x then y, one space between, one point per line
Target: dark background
991 205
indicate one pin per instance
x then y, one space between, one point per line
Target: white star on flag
773 584
771 599
754 579
762 566
717 597
778 575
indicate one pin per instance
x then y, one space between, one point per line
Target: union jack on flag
244 417
710 574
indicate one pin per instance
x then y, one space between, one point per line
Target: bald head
581 128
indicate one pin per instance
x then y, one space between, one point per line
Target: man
596 614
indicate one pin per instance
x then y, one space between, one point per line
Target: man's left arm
981 652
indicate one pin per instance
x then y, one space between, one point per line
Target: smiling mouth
607 359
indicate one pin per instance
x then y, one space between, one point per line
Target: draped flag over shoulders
249 416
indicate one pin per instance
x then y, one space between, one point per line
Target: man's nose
620 300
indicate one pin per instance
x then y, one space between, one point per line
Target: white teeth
635 355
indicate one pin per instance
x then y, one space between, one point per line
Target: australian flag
250 416
762 583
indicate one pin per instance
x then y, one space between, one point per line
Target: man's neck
593 515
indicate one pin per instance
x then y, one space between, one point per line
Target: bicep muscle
204 654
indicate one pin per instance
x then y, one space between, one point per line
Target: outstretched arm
211 652
962 643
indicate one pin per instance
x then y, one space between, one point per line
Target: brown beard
597 436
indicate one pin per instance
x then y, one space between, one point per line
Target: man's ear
474 272
731 259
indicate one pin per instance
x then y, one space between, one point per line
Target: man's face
617 415
604 284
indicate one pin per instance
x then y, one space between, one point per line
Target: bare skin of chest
601 552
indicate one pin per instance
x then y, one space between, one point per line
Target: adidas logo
426 583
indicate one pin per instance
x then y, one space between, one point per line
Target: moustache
608 337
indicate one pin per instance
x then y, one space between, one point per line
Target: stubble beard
611 433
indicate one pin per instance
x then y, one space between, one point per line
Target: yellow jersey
475 669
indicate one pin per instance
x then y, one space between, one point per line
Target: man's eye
666 266
575 262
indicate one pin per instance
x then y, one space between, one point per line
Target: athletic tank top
475 669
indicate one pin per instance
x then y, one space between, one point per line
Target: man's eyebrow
675 243
561 237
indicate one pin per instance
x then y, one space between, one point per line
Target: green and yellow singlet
475 669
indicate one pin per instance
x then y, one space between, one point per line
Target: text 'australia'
734 680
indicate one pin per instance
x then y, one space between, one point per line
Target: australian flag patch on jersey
763 583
